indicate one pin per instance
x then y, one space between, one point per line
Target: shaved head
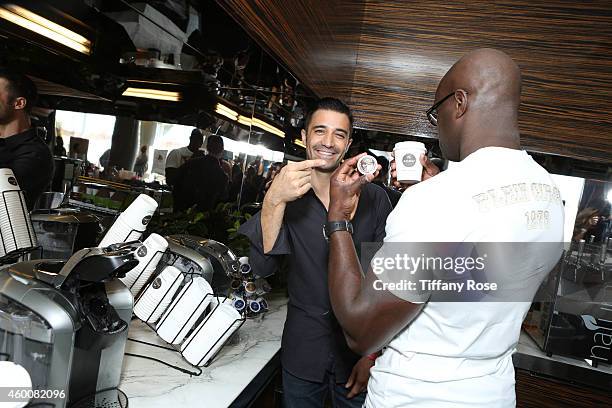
484 108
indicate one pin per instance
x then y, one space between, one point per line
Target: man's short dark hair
196 133
332 104
214 144
19 85
384 164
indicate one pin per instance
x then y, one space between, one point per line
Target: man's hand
292 182
345 188
358 381
429 170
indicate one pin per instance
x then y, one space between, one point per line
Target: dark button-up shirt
30 159
312 337
199 181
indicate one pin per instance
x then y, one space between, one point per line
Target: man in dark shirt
315 357
21 149
201 181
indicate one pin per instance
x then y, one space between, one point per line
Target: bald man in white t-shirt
447 344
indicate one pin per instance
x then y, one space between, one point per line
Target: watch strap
332 226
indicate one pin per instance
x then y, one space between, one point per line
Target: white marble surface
149 384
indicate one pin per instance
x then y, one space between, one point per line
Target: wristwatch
332 226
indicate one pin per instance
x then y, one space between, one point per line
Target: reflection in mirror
593 221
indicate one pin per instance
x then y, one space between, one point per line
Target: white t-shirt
458 354
177 157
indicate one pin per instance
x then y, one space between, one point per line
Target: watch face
367 165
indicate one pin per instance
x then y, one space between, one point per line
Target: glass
432 113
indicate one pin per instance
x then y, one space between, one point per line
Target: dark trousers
298 393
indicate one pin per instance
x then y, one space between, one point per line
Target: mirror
245 97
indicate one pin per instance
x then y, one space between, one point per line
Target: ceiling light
152 94
244 120
268 127
225 111
40 25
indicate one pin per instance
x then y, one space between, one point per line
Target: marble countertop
150 384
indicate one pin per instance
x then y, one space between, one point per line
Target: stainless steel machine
210 259
63 231
66 322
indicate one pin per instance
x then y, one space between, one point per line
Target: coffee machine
66 322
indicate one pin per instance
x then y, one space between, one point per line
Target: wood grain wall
386 57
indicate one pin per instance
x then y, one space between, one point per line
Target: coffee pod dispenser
206 341
185 310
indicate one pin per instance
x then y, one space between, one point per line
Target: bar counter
246 365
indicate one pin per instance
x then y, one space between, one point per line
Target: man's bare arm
291 183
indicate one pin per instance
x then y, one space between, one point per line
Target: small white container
185 310
407 161
157 296
148 255
211 335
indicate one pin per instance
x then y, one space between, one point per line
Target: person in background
380 181
252 185
177 157
104 159
316 360
58 148
21 149
201 181
272 172
236 180
142 161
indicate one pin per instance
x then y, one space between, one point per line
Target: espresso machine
66 322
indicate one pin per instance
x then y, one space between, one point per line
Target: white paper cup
15 225
185 311
119 232
407 161
8 181
139 213
211 335
157 296
132 222
148 255
215 301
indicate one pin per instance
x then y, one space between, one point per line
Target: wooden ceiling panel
386 58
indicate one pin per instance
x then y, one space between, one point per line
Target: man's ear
20 102
303 132
461 103
348 145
